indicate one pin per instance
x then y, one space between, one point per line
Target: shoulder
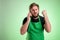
25 18
41 17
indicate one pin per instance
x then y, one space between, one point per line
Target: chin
35 15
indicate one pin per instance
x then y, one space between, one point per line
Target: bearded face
34 11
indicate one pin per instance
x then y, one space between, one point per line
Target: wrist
28 20
45 15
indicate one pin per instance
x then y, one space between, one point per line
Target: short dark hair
33 4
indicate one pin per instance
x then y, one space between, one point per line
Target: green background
12 13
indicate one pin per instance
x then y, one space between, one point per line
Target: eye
32 9
35 9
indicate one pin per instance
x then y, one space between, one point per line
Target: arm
25 25
47 24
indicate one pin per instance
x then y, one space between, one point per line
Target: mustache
35 16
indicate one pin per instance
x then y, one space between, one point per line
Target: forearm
24 27
47 25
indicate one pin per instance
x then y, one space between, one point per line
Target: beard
35 16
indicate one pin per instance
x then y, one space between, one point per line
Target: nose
34 10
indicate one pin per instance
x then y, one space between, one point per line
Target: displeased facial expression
34 11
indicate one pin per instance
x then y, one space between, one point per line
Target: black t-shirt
35 20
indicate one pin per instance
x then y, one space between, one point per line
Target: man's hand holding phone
29 16
25 26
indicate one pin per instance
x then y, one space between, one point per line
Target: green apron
35 31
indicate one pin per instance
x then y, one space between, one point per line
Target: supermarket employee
34 24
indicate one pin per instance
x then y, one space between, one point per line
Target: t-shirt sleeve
42 20
24 20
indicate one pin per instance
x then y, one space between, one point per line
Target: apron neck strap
39 18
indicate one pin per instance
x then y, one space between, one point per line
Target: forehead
34 7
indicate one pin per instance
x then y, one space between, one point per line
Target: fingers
44 12
29 14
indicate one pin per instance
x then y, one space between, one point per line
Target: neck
36 18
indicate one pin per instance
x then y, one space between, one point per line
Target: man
34 24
